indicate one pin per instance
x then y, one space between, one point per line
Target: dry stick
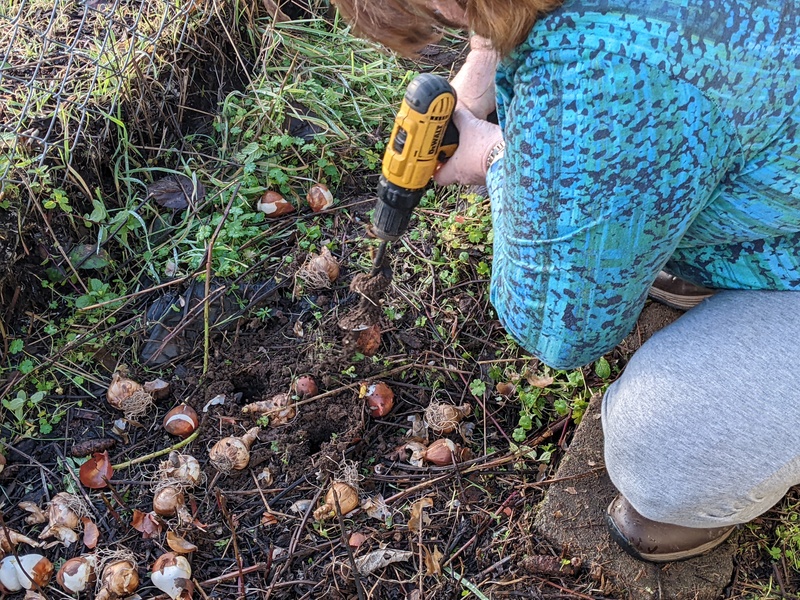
245 571
566 590
294 542
481 529
141 459
419 543
486 412
30 458
226 515
140 292
345 387
345 543
503 460
496 565
198 588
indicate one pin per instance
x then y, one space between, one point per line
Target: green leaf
575 378
602 369
83 301
15 403
478 388
98 214
519 434
561 406
16 346
84 256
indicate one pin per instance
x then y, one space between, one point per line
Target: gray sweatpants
703 427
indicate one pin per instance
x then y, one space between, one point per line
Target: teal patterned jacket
643 135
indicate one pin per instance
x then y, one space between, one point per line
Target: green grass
65 78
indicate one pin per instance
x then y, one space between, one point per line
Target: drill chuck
393 209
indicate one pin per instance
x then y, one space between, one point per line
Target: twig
152 455
232 526
294 542
572 593
502 460
356 578
140 292
244 571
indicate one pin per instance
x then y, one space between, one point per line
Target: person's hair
407 26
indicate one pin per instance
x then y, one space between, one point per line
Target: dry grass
72 77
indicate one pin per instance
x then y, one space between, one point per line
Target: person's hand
476 139
474 82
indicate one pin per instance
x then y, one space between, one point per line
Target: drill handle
449 142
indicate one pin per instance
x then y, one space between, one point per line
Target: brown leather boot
659 542
678 293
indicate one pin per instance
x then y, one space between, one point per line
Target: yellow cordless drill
422 137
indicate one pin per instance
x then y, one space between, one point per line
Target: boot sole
675 300
662 557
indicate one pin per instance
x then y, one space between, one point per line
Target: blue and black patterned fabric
642 135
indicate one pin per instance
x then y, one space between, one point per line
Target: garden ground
150 258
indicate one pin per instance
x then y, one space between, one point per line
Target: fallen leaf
266 477
419 430
37 514
376 508
91 534
418 518
147 523
268 519
175 191
540 382
179 544
571 490
200 525
297 328
380 558
87 256
433 561
414 452
300 507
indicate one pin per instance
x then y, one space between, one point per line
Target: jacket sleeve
607 163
